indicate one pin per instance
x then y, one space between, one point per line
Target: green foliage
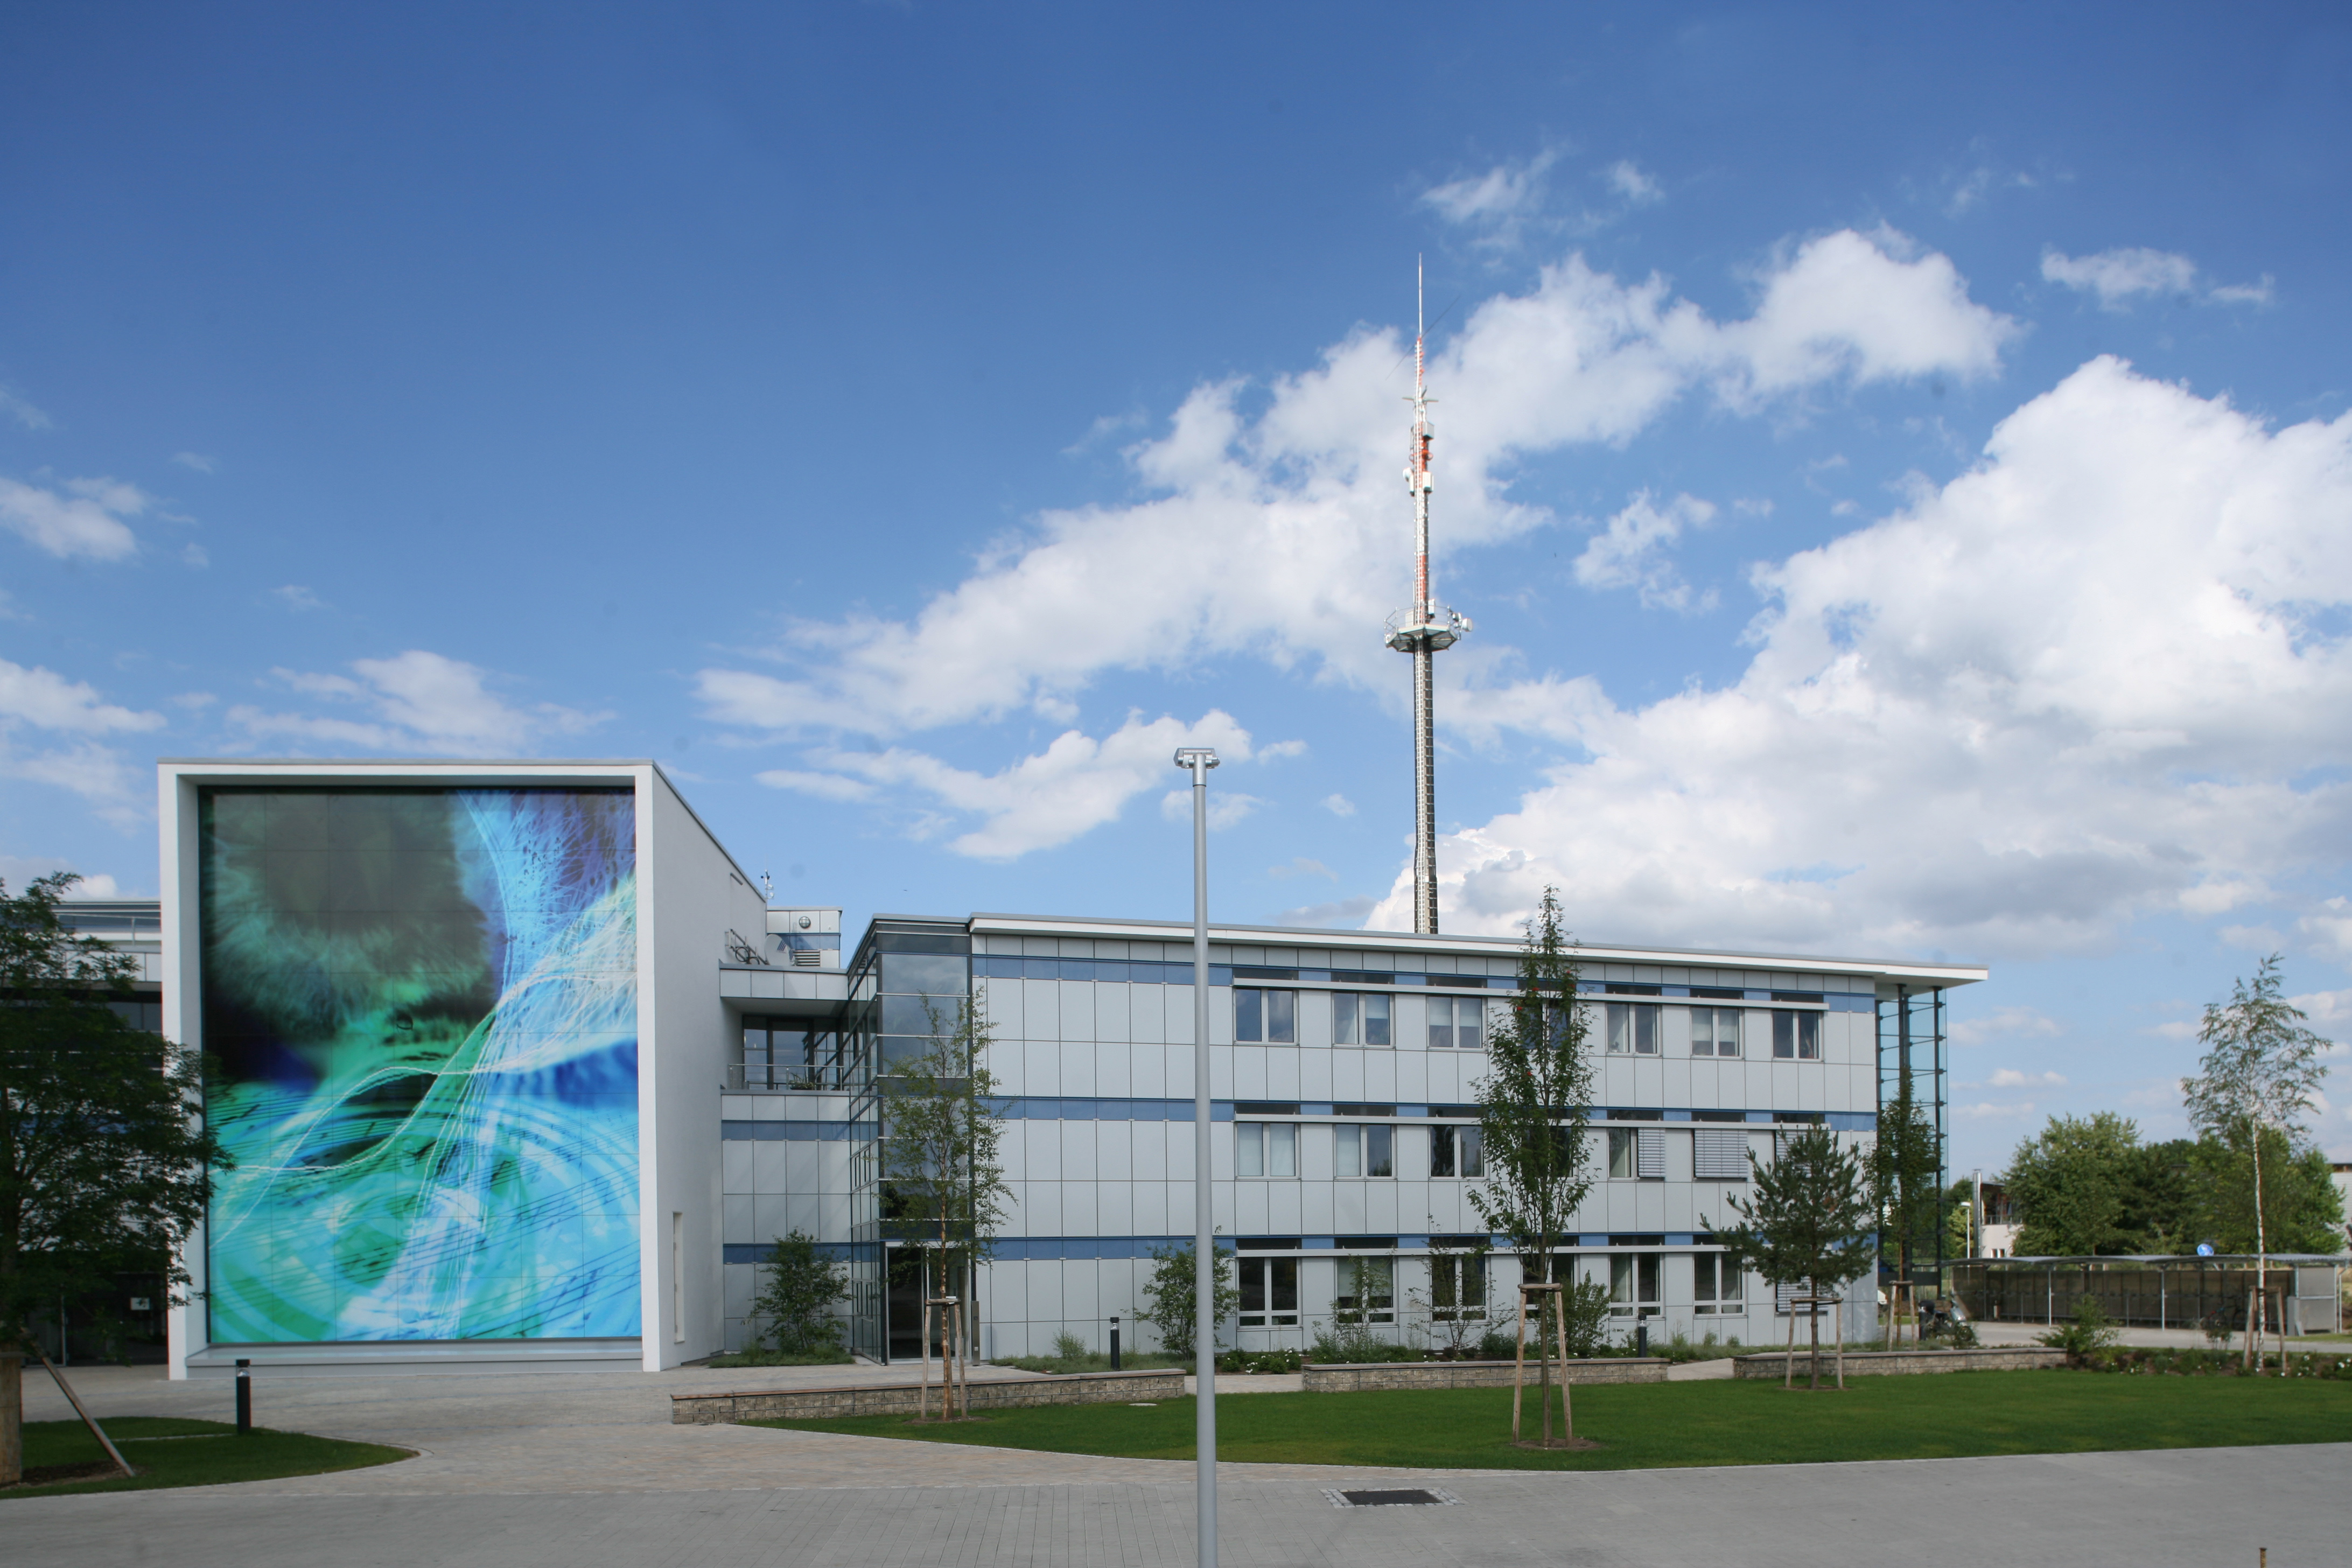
1067 1346
2261 1071
2070 1182
1808 1217
1171 1295
1906 1169
2086 1334
942 1137
2302 1211
1533 1102
799 1286
103 1161
2161 1199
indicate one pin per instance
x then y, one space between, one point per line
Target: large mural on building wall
424 1004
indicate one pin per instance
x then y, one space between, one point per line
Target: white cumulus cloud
2118 277
1634 551
1305 491
40 699
1076 784
414 701
84 518
2093 677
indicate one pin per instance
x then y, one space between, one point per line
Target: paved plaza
584 1469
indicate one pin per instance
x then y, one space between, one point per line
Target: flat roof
1938 975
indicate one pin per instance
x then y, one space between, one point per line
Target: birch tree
2262 1070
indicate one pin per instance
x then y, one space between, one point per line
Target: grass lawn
1643 1426
170 1452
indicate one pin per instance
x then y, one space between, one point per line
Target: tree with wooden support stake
1807 1224
1533 1108
104 1159
942 1135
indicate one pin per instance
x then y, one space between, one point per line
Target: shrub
2087 1335
799 1288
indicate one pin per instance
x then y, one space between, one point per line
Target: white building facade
520 1067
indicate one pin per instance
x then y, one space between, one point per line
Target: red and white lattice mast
1423 629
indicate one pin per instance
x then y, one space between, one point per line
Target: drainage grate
1397 1498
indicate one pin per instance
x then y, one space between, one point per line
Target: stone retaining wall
1356 1378
1882 1363
899 1398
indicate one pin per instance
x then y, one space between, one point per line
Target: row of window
1269 1287
1632 1029
1265 1017
1270 1150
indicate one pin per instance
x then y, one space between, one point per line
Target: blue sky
1896 459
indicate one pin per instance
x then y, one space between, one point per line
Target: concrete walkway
584 1469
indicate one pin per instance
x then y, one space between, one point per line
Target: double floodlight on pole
1199 760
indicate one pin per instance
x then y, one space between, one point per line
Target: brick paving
580 1471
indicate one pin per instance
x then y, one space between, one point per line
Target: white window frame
1800 1029
1353 1021
1712 1034
1352 1146
1627 1024
1262 1150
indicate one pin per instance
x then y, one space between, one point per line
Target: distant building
522 1068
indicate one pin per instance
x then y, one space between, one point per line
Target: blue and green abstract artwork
423 1006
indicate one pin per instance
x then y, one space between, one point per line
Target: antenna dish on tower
1423 629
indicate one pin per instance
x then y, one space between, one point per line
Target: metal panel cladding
423 1005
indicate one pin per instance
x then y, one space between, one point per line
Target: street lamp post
1198 761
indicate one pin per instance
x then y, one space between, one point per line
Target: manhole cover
1402 1497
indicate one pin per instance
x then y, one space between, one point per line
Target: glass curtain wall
908 983
1911 1047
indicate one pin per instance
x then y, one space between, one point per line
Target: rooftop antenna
1423 629
768 886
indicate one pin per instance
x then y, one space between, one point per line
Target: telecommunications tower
1422 629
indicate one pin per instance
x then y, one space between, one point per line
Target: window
1715 1031
1269 1292
1633 1284
1718 1283
1456 1151
1457 1287
1796 1035
1359 1019
1367 1291
1456 1023
1362 1150
1266 1149
1267 1017
1637 1154
1718 1154
1633 1027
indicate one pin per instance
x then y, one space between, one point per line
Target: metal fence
2155 1293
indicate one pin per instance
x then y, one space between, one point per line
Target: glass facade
425 1006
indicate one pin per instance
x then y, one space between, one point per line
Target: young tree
1534 1107
942 1136
1906 1167
2262 1069
2072 1184
103 1158
1807 1222
1169 1294
798 1290
2301 1210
